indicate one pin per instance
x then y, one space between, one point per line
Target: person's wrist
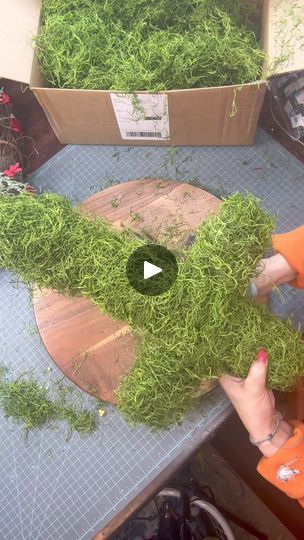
285 273
284 433
260 430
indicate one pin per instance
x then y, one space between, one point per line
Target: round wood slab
91 349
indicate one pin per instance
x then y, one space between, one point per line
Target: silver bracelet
278 419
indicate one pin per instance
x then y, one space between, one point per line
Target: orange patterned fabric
291 246
285 469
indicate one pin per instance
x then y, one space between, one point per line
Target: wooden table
91 349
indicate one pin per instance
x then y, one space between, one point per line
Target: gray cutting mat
54 489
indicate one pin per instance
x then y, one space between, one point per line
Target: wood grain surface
91 349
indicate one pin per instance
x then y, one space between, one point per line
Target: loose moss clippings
27 401
199 329
136 45
288 34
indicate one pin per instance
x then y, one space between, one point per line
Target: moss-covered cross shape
202 327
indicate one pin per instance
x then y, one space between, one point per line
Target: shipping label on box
142 116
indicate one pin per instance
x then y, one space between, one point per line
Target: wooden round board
91 349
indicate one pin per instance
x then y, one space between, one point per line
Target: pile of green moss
143 45
200 329
26 401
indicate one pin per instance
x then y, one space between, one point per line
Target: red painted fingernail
262 356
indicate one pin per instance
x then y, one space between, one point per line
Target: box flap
19 21
283 36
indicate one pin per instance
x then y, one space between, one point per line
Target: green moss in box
143 45
200 329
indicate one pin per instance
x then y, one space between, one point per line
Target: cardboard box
205 116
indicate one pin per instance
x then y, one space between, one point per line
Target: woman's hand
255 405
274 271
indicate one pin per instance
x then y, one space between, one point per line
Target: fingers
231 385
252 290
256 378
266 276
255 381
272 271
227 380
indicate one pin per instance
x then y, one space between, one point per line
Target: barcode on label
153 117
156 134
152 124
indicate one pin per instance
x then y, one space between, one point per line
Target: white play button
148 261
151 270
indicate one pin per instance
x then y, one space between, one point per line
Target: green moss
199 329
27 401
139 45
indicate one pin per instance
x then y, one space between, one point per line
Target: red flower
15 125
4 98
13 170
